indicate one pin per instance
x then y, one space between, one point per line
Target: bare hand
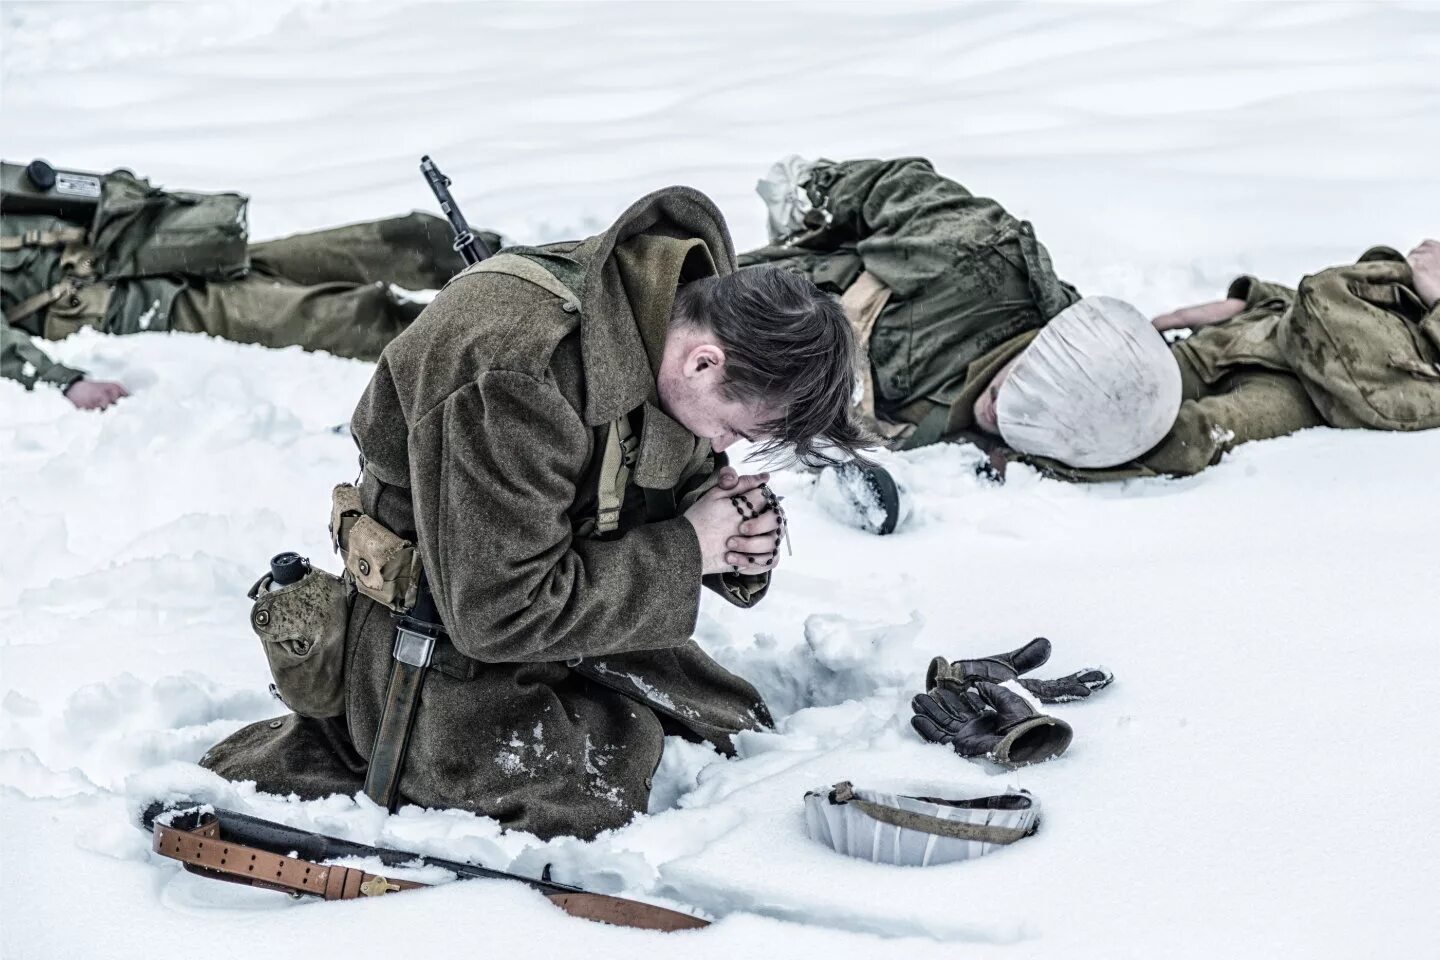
1199 315
1425 264
89 394
762 529
729 542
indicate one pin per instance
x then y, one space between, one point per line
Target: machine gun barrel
467 244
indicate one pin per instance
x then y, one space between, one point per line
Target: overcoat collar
618 375
668 452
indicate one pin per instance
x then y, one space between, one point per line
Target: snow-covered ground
1260 780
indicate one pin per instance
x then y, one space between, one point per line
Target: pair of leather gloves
966 708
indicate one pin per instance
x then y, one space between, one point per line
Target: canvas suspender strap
620 441
202 851
41 300
910 820
620 451
43 238
77 262
514 265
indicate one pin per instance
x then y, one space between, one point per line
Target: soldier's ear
704 357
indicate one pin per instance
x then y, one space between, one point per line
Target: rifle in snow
225 845
467 244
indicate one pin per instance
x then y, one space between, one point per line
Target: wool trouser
329 290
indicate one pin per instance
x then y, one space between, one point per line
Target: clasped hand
739 524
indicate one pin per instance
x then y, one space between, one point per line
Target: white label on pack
77 185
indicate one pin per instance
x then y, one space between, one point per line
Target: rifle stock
182 834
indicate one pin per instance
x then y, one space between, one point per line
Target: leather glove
1009 666
983 719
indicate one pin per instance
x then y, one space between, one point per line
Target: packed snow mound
1271 622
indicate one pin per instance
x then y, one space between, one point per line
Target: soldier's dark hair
788 345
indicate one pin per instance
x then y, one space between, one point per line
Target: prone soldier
967 333
115 254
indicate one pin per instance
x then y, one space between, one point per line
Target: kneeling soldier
549 435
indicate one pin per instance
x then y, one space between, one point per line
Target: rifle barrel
467 244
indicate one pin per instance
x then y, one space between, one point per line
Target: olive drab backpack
127 227
105 229
144 231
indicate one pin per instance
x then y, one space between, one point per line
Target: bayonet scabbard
411 661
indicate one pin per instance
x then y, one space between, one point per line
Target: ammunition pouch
76 300
143 231
383 566
302 628
76 304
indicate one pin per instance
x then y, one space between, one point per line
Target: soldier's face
984 409
692 393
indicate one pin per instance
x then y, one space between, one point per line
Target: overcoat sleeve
21 360
908 222
494 469
1258 294
1259 405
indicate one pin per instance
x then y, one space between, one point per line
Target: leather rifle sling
624 913
203 852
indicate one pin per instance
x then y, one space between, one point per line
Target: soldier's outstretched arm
1199 315
1260 405
21 360
494 471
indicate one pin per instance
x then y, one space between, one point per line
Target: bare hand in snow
89 394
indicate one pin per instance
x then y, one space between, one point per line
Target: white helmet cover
1096 388
911 831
